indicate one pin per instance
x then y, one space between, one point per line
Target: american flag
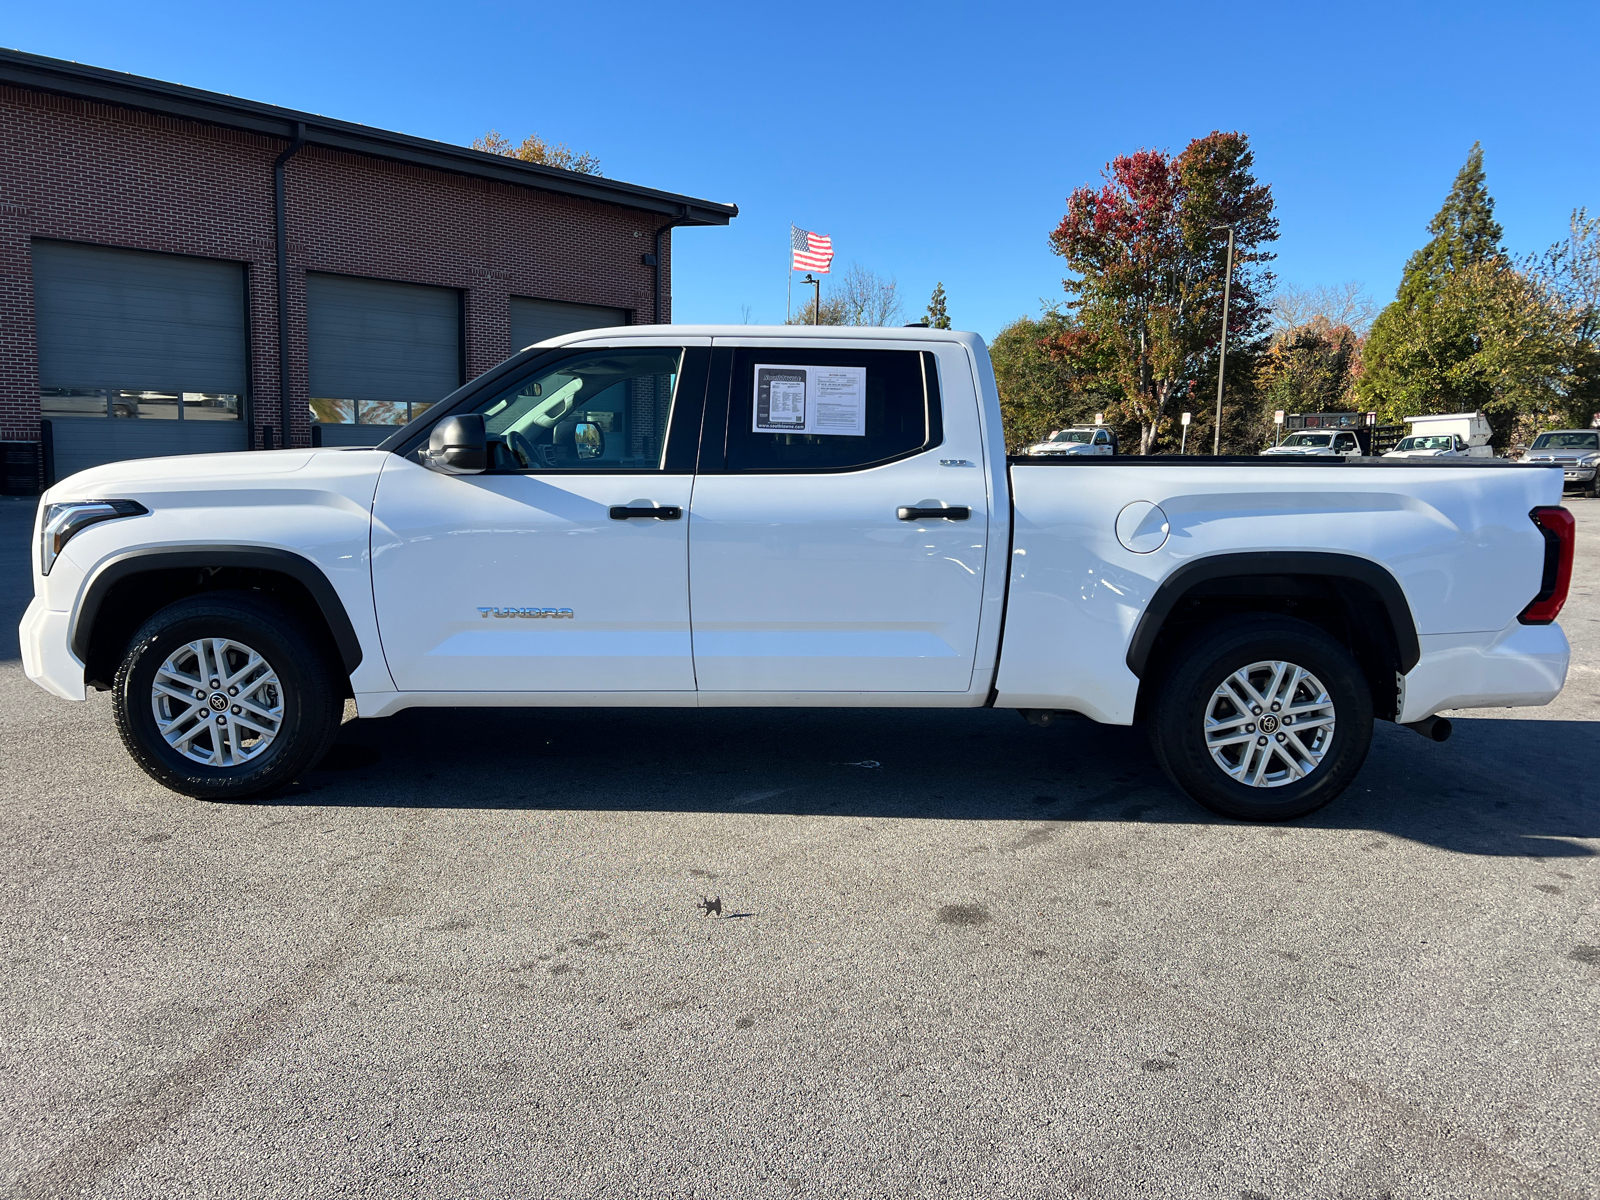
812 251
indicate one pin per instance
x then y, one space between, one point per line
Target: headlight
63 521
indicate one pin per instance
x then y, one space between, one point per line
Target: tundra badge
526 612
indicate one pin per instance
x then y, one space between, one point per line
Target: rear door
840 521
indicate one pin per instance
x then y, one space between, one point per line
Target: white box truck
1448 435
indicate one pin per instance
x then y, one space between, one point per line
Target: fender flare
1277 562
265 558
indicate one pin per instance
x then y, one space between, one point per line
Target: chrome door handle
663 512
956 512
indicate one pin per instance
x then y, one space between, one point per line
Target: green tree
1464 233
1310 368
1149 268
1496 340
1041 388
1469 329
938 317
1414 359
535 149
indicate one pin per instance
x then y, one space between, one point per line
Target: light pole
1222 357
1183 447
816 307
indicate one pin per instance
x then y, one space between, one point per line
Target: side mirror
590 439
459 446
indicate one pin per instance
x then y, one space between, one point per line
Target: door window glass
834 410
598 410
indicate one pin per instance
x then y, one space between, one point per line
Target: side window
597 410
793 409
1344 443
1102 438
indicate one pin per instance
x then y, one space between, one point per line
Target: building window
146 405
326 411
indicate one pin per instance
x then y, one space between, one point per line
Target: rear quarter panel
1458 540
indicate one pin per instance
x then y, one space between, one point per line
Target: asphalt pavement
956 956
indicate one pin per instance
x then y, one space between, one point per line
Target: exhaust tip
1435 729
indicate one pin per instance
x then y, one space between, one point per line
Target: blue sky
935 141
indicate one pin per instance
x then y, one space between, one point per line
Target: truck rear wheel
225 696
1262 718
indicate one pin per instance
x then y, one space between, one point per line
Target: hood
184 472
1060 448
1560 456
1416 453
1298 451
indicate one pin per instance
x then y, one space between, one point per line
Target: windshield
1081 436
1308 439
1567 441
1431 442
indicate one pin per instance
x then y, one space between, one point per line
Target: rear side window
831 410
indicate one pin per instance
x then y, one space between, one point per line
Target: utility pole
1222 357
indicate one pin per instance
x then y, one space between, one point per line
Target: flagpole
788 295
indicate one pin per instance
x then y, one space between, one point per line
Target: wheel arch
149 578
1355 599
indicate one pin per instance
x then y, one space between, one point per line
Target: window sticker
822 400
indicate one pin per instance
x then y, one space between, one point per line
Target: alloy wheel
217 702
1269 724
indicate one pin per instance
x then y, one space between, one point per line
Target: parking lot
957 956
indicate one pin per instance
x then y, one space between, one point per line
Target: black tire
1188 695
305 686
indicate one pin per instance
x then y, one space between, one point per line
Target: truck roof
799 333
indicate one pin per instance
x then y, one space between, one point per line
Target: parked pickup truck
715 516
1080 439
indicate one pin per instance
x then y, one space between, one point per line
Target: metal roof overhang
174 100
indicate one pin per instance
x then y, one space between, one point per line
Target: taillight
1560 535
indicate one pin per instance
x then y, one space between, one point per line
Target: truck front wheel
1262 718
225 696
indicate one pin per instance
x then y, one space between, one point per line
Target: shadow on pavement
1498 787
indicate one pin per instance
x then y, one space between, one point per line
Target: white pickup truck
705 516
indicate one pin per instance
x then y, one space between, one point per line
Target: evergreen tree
1464 233
937 317
1412 360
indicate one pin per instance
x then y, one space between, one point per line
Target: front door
839 528
565 567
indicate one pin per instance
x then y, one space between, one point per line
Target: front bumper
1521 666
1577 474
47 651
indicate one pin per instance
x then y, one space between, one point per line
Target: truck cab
1320 443
1080 439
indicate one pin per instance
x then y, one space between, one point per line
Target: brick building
140 268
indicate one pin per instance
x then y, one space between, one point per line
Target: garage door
380 353
535 320
140 354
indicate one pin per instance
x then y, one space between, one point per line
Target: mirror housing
459 446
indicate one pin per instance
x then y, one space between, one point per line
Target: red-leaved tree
1149 263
